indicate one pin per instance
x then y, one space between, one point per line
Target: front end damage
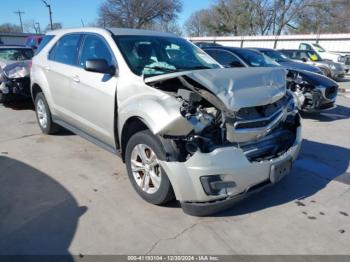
245 134
313 92
14 79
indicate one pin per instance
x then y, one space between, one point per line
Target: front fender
161 114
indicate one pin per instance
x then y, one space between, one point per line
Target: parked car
33 41
171 112
313 92
331 69
328 55
286 62
206 44
15 62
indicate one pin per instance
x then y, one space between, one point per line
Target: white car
185 127
327 55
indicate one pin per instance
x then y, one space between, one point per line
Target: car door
94 93
62 59
225 58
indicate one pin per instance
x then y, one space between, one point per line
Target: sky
71 12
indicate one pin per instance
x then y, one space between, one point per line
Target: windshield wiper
165 69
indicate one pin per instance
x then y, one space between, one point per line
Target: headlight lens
17 72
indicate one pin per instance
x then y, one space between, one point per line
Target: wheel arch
132 126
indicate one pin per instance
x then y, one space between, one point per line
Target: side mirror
99 66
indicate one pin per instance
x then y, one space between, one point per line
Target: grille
347 60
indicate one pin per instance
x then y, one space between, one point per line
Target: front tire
43 115
148 178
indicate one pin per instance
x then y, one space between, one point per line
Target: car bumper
19 86
230 162
338 73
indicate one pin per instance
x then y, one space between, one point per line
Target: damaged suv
185 127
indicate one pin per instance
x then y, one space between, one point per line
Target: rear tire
43 115
146 175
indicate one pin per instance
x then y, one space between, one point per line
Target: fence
331 42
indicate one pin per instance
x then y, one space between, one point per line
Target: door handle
76 78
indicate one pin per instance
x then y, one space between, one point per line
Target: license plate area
278 171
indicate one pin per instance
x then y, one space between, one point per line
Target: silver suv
185 127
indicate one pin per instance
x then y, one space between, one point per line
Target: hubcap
145 168
41 112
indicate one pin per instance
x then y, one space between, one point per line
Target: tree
138 13
10 28
332 16
55 26
196 24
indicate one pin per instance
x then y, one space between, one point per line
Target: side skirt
86 136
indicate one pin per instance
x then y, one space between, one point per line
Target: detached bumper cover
228 161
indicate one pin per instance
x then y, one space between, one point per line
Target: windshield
275 55
254 58
156 55
319 48
16 54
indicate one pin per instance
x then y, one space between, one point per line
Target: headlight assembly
332 66
17 72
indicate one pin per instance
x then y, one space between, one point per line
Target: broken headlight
17 72
2 76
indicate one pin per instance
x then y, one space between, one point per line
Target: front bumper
186 176
322 98
337 74
18 86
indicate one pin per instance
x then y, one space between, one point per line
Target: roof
224 48
14 47
263 49
114 31
300 50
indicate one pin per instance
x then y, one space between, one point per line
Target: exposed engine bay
263 132
313 92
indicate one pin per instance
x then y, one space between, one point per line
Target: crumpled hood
237 87
15 68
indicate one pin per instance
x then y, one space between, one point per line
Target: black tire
51 127
165 192
5 98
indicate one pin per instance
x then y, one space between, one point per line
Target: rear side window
225 58
43 43
66 49
95 48
305 47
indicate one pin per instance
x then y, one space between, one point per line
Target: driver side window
95 48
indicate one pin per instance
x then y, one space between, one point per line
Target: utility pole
50 13
37 28
20 17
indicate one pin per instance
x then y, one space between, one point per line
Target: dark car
288 63
15 62
330 68
312 91
206 44
33 41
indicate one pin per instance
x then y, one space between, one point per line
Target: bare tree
195 24
138 13
9 28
